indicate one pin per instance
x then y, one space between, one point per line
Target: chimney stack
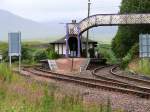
74 21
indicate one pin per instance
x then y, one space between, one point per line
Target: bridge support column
79 43
67 37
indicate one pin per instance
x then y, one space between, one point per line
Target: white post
19 63
10 61
20 52
81 69
9 50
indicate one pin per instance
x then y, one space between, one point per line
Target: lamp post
87 39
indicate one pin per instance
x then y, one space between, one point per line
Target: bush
27 53
40 55
126 60
106 52
52 55
46 54
5 55
130 55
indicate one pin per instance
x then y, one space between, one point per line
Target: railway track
101 81
130 78
93 83
94 72
111 75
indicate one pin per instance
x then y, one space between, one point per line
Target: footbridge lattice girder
76 29
108 20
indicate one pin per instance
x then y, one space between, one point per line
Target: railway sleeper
87 84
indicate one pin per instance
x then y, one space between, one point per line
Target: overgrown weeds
5 73
141 66
26 95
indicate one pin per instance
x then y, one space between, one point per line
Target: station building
60 47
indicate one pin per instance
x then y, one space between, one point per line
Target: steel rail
106 82
86 83
129 78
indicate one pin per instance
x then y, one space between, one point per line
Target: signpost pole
10 61
9 50
19 63
19 51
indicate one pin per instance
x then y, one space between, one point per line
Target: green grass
5 73
144 66
3 46
32 44
141 66
26 95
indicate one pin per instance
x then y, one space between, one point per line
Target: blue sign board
14 44
144 46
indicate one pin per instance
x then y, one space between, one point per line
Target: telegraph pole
87 39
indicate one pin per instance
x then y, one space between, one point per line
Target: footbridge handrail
108 20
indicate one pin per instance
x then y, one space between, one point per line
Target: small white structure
60 46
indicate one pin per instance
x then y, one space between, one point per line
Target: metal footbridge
76 29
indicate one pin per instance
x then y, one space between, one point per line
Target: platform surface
65 64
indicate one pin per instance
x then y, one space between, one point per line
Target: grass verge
141 66
19 94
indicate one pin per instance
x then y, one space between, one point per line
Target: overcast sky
50 10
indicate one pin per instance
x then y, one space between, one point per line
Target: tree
128 35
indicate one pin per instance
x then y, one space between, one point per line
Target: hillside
44 31
30 29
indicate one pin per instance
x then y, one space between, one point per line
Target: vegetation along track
92 83
108 73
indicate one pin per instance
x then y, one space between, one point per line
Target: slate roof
62 41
